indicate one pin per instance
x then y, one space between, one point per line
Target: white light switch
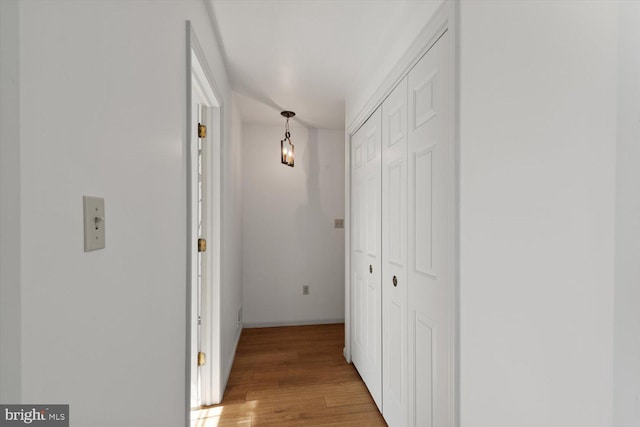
94 220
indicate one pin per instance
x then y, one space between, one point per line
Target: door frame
446 18
198 69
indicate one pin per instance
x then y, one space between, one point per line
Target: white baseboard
294 323
346 355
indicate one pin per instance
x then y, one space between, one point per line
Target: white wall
103 112
538 134
289 234
627 297
9 203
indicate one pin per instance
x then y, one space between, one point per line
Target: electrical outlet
338 223
305 289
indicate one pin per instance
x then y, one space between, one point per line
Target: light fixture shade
291 156
287 149
283 152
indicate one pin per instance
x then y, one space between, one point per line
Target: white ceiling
305 55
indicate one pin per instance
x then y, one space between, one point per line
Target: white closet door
366 254
394 257
431 221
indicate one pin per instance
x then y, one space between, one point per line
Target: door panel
430 273
365 258
424 371
357 313
395 180
373 203
422 195
394 256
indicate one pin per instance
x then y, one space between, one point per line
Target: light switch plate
94 222
338 223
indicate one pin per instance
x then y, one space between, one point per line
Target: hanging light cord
287 134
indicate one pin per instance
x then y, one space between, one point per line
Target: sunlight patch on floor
224 415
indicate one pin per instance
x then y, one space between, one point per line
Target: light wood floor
293 376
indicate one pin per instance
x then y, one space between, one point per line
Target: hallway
97 99
293 376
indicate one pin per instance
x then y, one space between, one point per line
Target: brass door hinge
202 131
202 245
202 358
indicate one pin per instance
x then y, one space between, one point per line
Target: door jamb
197 64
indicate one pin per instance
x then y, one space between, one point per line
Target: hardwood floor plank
292 376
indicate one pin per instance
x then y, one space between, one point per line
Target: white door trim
446 18
199 73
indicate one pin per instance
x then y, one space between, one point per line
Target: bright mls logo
36 415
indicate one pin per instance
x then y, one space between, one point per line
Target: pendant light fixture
286 146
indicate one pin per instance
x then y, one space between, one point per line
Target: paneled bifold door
403 227
366 255
394 256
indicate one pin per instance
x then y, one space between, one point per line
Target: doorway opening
204 131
